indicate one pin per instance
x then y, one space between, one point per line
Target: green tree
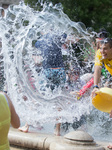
94 13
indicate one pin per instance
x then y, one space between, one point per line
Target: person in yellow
7 115
103 56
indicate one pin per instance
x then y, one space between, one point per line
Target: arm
97 75
98 67
15 121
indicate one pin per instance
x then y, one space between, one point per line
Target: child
7 115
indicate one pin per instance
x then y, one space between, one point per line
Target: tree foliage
93 13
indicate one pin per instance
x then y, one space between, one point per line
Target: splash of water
20 28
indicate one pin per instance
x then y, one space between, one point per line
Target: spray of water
20 28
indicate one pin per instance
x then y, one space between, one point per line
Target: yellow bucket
103 100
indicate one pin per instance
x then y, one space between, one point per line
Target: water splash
20 28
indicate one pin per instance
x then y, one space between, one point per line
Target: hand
73 92
93 94
76 93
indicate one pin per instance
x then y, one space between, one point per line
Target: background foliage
93 13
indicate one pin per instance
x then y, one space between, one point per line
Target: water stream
20 28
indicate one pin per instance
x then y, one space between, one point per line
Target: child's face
106 51
74 77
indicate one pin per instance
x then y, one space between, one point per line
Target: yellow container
103 100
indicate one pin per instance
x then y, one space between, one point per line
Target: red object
88 85
100 39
